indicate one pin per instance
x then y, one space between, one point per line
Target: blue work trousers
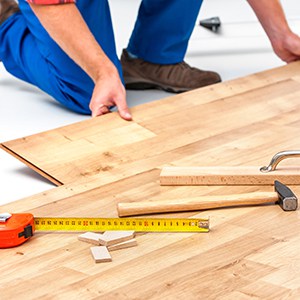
161 34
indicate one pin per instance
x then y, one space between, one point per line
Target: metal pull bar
4 217
277 158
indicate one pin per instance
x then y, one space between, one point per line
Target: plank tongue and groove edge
228 176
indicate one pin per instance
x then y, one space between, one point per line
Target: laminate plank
67 162
36 287
179 276
250 252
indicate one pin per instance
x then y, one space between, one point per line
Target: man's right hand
109 91
66 26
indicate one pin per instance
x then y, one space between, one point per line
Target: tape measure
15 229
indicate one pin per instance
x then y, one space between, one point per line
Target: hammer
282 195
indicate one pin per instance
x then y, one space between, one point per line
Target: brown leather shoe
175 78
7 9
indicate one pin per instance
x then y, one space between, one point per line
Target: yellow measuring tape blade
136 224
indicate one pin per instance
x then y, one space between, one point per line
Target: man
67 49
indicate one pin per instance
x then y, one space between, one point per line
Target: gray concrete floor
238 49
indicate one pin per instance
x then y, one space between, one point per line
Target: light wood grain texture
192 204
250 252
246 175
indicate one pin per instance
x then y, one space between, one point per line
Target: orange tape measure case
15 229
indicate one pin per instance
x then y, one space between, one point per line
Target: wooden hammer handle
199 203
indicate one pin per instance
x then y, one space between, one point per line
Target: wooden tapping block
100 254
123 245
228 176
109 238
90 237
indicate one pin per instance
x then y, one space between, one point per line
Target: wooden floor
250 252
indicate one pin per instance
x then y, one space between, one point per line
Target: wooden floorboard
249 253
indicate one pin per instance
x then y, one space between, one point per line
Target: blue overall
161 34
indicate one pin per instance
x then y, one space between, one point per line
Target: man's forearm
285 43
271 17
66 26
68 29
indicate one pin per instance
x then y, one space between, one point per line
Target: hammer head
286 198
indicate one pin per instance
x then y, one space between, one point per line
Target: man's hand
66 26
285 43
109 91
288 47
